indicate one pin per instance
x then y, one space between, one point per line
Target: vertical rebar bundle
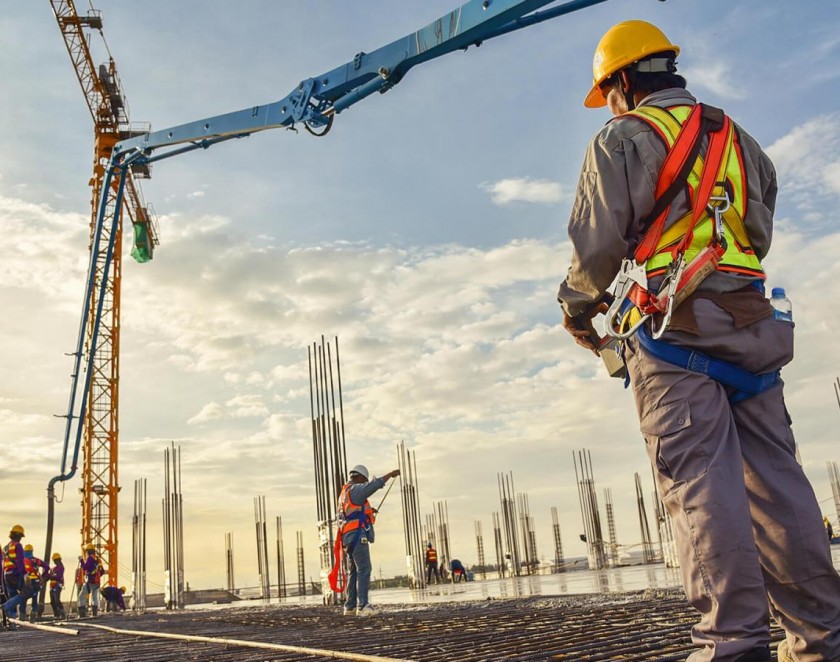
173 530
667 544
479 545
647 544
500 550
231 583
559 561
506 500
412 522
529 536
281 561
589 510
300 565
138 548
262 547
328 446
613 555
441 509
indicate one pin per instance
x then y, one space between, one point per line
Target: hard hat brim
595 98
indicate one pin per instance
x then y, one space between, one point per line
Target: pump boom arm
317 100
314 102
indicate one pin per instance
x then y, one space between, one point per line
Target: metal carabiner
631 273
672 280
717 212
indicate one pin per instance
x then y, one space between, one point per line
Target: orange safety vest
431 555
352 516
10 557
694 231
31 566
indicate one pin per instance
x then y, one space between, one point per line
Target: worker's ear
625 81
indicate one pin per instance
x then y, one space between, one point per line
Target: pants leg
361 558
352 587
693 446
802 584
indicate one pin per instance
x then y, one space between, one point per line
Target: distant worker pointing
675 202
356 518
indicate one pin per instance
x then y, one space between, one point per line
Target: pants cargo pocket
666 430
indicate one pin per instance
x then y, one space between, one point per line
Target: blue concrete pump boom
314 103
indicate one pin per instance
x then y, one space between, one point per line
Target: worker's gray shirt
358 494
617 189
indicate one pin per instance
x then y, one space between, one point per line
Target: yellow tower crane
105 100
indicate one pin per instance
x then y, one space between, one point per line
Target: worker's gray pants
91 590
746 522
358 583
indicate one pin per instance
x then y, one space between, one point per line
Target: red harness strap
675 163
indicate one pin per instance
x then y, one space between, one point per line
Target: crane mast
106 102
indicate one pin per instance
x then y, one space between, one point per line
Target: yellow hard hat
56 557
122 589
621 46
17 528
90 547
28 548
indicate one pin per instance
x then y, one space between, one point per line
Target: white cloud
505 191
716 76
196 194
212 411
807 161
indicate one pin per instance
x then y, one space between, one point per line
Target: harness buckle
630 274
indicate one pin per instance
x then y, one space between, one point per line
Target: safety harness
710 237
351 519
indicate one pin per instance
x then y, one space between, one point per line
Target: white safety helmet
360 469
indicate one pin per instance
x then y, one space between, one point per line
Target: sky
427 232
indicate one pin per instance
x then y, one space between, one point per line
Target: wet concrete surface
643 626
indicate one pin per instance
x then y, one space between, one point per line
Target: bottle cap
778 292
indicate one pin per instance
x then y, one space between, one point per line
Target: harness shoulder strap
673 176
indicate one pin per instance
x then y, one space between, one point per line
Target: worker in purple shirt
92 570
114 598
14 571
56 579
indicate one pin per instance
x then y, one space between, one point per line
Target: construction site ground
641 625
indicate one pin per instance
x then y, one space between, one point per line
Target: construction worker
14 572
746 522
114 598
91 579
56 580
431 564
35 568
356 518
459 572
828 528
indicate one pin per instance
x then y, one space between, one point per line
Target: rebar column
590 514
231 584
501 566
412 523
613 544
647 544
834 478
262 547
559 561
479 546
138 547
173 530
300 565
508 505
281 561
329 451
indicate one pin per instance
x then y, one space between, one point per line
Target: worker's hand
581 329
394 473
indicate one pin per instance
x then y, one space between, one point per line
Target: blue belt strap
746 384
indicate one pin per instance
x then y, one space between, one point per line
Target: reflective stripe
739 256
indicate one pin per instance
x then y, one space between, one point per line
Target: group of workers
437 568
24 575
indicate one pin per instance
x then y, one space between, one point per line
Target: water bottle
782 308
